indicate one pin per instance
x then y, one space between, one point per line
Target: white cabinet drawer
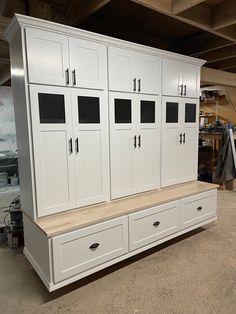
153 224
83 249
197 208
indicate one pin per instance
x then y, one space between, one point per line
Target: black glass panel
88 108
172 112
51 108
190 112
123 111
147 111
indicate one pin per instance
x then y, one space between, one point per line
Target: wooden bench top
60 223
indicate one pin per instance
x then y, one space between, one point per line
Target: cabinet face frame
88 155
44 163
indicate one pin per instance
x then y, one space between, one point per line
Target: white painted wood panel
191 80
153 224
54 165
171 77
73 254
197 208
88 60
47 57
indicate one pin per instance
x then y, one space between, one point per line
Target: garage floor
194 274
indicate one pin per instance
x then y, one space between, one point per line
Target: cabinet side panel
37 244
22 119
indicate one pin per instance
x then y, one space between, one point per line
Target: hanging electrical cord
69 9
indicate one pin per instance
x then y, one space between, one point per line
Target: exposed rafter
219 54
4 21
212 76
179 6
224 64
224 14
81 9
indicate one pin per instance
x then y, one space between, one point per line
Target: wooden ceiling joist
218 77
81 9
224 64
4 21
219 54
162 6
224 14
179 6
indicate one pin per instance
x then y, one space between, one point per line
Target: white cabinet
57 59
52 140
133 72
134 143
83 249
87 63
180 79
179 140
70 147
90 146
47 57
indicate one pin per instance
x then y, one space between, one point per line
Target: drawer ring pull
156 223
94 246
199 208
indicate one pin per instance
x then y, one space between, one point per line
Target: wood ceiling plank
218 77
179 6
82 9
163 6
4 22
200 14
219 54
224 14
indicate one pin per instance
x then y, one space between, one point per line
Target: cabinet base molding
77 254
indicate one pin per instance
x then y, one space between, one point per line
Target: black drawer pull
94 246
156 223
199 208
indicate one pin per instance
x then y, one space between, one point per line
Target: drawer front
197 208
83 249
153 224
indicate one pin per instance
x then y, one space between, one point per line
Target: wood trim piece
72 220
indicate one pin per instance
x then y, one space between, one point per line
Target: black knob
199 208
156 223
94 246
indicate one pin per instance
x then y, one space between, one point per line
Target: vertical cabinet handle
67 77
139 85
74 77
135 141
139 141
77 145
185 90
184 138
134 84
180 138
181 89
70 146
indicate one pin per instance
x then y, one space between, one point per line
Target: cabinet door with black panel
90 143
53 148
123 143
147 161
171 141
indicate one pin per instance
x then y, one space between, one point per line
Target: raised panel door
148 73
87 64
52 134
47 57
121 70
90 146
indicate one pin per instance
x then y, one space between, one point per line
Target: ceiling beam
82 9
4 60
200 43
163 6
224 64
218 77
4 22
179 6
219 54
5 75
224 14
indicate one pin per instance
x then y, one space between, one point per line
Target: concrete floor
195 273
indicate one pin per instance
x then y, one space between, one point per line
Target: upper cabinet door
87 64
53 148
147 73
48 57
191 80
121 70
171 78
